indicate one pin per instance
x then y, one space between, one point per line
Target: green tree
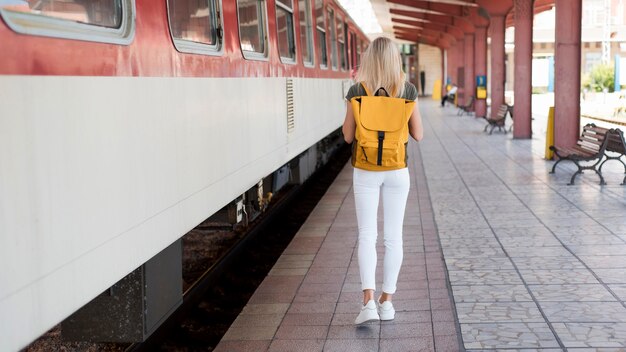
601 76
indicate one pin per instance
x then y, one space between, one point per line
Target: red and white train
124 124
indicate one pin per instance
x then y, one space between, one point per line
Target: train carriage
124 124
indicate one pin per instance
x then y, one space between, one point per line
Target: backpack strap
381 138
367 92
384 90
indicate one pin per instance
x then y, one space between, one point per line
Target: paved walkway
530 263
533 263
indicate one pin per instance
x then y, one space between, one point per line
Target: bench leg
620 160
485 129
601 178
571 182
491 130
580 171
555 164
624 181
602 164
612 158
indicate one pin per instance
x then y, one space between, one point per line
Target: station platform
499 255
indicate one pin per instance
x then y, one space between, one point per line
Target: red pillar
469 67
480 66
444 72
459 61
450 66
567 72
523 68
452 63
498 77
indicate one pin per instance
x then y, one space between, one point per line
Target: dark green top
410 92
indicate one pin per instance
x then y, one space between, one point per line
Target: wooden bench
467 108
590 146
499 120
615 149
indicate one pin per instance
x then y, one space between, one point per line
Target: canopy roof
442 22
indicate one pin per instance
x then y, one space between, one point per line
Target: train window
306 31
341 44
252 28
195 25
333 38
353 54
108 21
284 26
321 33
358 53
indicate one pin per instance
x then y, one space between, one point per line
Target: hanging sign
481 87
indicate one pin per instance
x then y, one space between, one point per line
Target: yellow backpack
382 131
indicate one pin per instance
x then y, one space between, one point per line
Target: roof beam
454 31
444 9
424 40
426 32
463 24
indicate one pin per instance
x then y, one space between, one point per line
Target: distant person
381 68
451 94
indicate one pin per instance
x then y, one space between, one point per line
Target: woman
381 67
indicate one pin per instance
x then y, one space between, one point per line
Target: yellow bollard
550 134
437 90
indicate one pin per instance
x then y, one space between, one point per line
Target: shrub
601 76
539 90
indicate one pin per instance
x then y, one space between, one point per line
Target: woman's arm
349 125
415 124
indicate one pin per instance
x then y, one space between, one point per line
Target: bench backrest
593 139
502 111
616 142
500 115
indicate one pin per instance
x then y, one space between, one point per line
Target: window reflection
284 25
306 30
194 20
251 25
333 37
321 32
105 13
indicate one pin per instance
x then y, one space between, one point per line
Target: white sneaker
386 311
368 313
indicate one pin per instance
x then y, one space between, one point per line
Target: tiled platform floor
532 264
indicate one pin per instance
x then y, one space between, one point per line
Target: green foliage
601 76
539 90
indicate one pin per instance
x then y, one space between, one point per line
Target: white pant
395 186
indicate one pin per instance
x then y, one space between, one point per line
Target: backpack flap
375 113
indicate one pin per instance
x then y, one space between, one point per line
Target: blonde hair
381 66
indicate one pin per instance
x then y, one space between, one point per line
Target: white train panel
101 173
320 109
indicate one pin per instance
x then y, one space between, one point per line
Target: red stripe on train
152 53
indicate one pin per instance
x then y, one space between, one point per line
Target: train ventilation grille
291 121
